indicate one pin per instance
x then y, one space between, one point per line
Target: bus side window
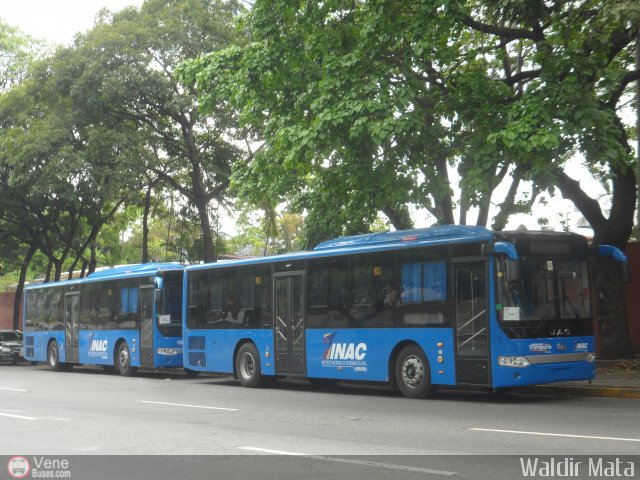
197 299
373 293
423 294
254 290
327 292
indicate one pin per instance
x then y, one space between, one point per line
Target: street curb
578 391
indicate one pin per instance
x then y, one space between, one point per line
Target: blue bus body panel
97 347
364 353
36 344
213 350
167 361
536 349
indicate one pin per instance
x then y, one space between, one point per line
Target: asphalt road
293 429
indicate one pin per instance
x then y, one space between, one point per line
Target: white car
10 346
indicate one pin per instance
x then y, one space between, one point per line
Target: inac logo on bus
344 355
98 348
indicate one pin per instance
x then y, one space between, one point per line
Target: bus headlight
516 362
169 351
591 357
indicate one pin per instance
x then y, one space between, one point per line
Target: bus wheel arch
247 366
410 371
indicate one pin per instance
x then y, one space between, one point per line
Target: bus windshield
169 305
550 298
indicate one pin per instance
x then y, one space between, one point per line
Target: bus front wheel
248 366
53 357
123 360
412 372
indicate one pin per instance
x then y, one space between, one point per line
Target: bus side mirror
158 293
511 270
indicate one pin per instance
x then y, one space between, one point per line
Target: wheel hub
247 366
412 371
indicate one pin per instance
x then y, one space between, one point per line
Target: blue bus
448 305
122 318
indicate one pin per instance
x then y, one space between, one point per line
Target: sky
57 22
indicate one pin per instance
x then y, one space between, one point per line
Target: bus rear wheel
412 372
123 360
248 366
53 356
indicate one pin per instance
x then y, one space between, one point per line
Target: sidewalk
614 379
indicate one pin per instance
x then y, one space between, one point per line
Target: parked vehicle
10 346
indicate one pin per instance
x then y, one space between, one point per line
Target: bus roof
373 242
450 233
142 269
125 271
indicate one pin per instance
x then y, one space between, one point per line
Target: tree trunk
84 268
92 261
145 225
47 273
399 217
57 265
208 247
611 312
72 268
17 301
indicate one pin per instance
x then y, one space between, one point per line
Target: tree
17 52
131 56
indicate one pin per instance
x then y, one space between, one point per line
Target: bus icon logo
18 467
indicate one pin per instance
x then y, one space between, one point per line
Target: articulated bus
122 318
448 305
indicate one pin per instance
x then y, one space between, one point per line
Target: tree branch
503 32
590 208
626 80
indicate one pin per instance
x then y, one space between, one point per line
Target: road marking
353 461
11 389
188 406
566 435
20 417
274 452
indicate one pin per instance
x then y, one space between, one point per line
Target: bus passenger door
471 324
71 304
146 325
289 324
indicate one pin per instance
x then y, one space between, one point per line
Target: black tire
248 366
123 360
53 357
412 372
192 373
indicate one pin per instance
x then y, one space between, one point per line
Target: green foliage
17 52
364 106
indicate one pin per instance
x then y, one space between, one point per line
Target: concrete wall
633 295
6 310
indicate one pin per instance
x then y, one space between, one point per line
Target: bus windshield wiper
547 315
572 306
